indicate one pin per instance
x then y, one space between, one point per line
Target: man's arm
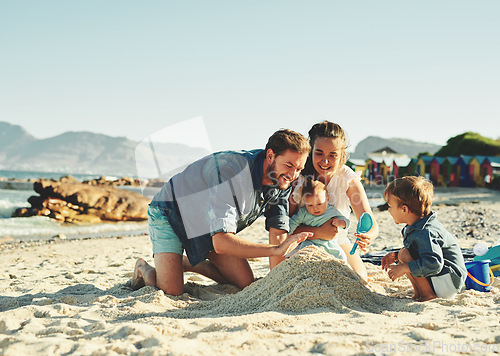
230 244
276 237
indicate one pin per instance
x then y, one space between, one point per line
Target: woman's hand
363 240
291 242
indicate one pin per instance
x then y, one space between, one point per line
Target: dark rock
85 203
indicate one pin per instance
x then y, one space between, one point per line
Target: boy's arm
388 260
431 259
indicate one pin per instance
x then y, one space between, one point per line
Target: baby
431 257
316 212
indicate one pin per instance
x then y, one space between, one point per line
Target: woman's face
326 155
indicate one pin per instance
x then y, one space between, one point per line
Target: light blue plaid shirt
222 192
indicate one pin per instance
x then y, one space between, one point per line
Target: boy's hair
285 139
414 192
312 187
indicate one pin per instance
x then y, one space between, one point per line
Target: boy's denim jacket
222 192
435 251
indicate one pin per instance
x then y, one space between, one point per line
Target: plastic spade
365 223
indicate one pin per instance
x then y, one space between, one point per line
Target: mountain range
87 153
400 145
92 153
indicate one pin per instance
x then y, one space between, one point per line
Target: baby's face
316 204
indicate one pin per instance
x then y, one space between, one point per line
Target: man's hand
396 271
388 260
291 242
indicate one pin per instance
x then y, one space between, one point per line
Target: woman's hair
414 192
312 187
330 130
285 139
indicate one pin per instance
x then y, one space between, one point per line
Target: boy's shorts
161 233
443 286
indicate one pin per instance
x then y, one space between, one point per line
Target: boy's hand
396 271
388 260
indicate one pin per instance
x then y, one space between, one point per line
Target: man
201 209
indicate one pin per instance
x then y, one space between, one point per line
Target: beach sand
72 297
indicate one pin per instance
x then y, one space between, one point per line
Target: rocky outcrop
70 201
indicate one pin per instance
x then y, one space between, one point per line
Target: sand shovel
365 223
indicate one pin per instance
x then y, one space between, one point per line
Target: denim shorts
161 234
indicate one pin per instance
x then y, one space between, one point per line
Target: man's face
285 168
316 204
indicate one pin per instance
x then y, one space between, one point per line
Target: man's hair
414 192
285 139
312 187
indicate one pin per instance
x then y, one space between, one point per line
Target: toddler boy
431 257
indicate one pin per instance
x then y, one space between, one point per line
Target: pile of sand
309 280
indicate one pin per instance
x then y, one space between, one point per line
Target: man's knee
404 256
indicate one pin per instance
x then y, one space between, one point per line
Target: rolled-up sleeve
277 213
431 259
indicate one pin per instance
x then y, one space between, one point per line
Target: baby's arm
338 219
339 222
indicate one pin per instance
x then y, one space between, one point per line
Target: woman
326 163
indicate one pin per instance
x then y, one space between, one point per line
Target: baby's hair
414 192
312 187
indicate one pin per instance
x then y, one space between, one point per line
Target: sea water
41 227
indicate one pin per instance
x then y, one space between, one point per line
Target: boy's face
397 212
317 203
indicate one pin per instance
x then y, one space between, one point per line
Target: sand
72 297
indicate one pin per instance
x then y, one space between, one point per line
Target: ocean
40 227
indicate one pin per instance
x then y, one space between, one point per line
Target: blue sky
425 70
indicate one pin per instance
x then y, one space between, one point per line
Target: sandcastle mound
310 279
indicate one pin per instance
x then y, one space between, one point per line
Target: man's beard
271 174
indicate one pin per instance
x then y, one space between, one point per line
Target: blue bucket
479 276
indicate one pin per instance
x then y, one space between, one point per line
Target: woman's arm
360 204
327 231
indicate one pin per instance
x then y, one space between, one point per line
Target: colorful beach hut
465 179
400 167
371 169
475 170
435 171
423 166
357 165
490 167
446 170
412 169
